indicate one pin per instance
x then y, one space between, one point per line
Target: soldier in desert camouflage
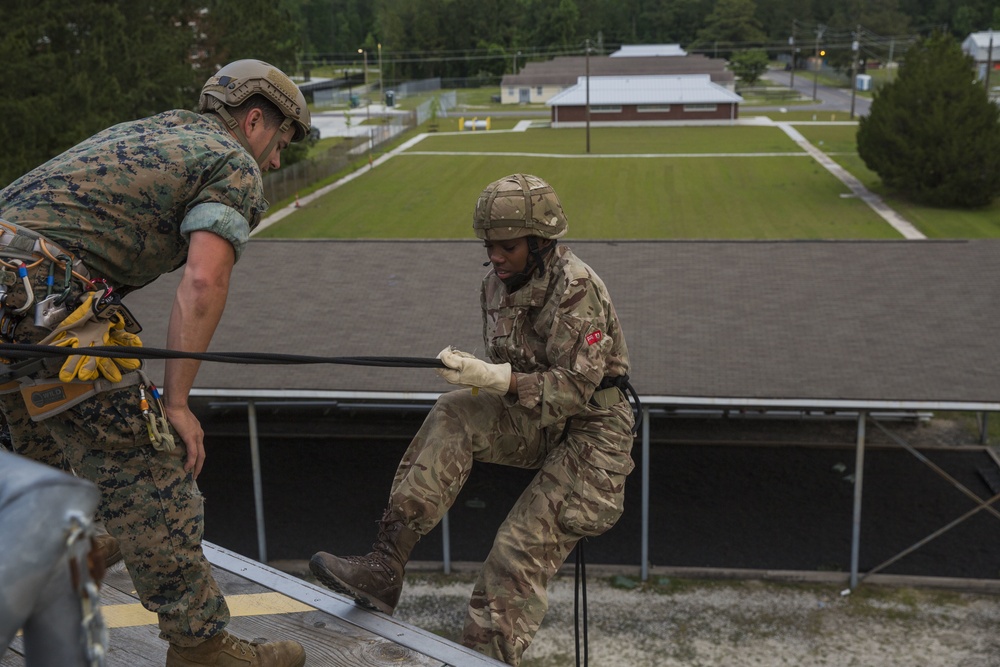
550 399
104 218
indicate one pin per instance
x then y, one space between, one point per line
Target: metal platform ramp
268 604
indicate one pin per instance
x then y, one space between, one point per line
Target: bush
933 134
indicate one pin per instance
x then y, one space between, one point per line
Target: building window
606 108
538 90
510 91
700 107
662 108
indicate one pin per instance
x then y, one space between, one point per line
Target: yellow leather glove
466 370
80 330
118 336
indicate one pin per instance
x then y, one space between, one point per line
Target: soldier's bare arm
198 305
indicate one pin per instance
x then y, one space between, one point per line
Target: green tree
933 134
749 65
731 25
261 29
557 24
73 67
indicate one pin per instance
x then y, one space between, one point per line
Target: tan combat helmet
518 205
235 83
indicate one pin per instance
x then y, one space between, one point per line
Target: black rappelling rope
34 353
580 582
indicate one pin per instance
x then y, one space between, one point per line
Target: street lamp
380 91
365 53
855 47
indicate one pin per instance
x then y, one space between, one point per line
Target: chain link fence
286 182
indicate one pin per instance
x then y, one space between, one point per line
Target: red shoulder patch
594 337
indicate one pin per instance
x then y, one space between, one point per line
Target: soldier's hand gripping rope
465 370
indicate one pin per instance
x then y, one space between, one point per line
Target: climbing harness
602 398
156 425
47 397
22 250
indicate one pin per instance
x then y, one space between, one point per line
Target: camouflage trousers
578 492
148 502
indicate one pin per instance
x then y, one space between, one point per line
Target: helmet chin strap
538 255
241 136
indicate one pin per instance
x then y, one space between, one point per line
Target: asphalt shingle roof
706 322
565 70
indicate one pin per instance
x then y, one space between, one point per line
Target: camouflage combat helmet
518 205
235 83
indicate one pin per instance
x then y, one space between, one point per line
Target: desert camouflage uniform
561 336
124 202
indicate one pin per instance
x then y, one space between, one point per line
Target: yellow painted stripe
255 604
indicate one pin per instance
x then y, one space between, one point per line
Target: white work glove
464 369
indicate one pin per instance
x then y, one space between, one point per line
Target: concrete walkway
898 222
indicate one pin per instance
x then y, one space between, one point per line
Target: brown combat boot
376 580
107 549
225 650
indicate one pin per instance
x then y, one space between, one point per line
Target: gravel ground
762 617
674 622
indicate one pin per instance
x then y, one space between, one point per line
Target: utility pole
892 47
820 29
380 90
587 78
855 50
791 45
365 53
989 63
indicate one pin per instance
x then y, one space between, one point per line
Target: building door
524 96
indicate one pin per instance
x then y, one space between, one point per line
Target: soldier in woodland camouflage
118 210
548 401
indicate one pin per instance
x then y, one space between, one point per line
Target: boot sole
361 598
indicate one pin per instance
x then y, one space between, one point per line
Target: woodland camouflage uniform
119 202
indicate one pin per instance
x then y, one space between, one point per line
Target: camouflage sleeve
230 201
577 346
221 220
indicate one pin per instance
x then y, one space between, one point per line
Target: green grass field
633 185
937 223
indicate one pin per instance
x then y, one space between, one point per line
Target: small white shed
984 47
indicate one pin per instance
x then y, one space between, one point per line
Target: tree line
73 67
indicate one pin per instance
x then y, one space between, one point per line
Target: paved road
336 124
829 99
